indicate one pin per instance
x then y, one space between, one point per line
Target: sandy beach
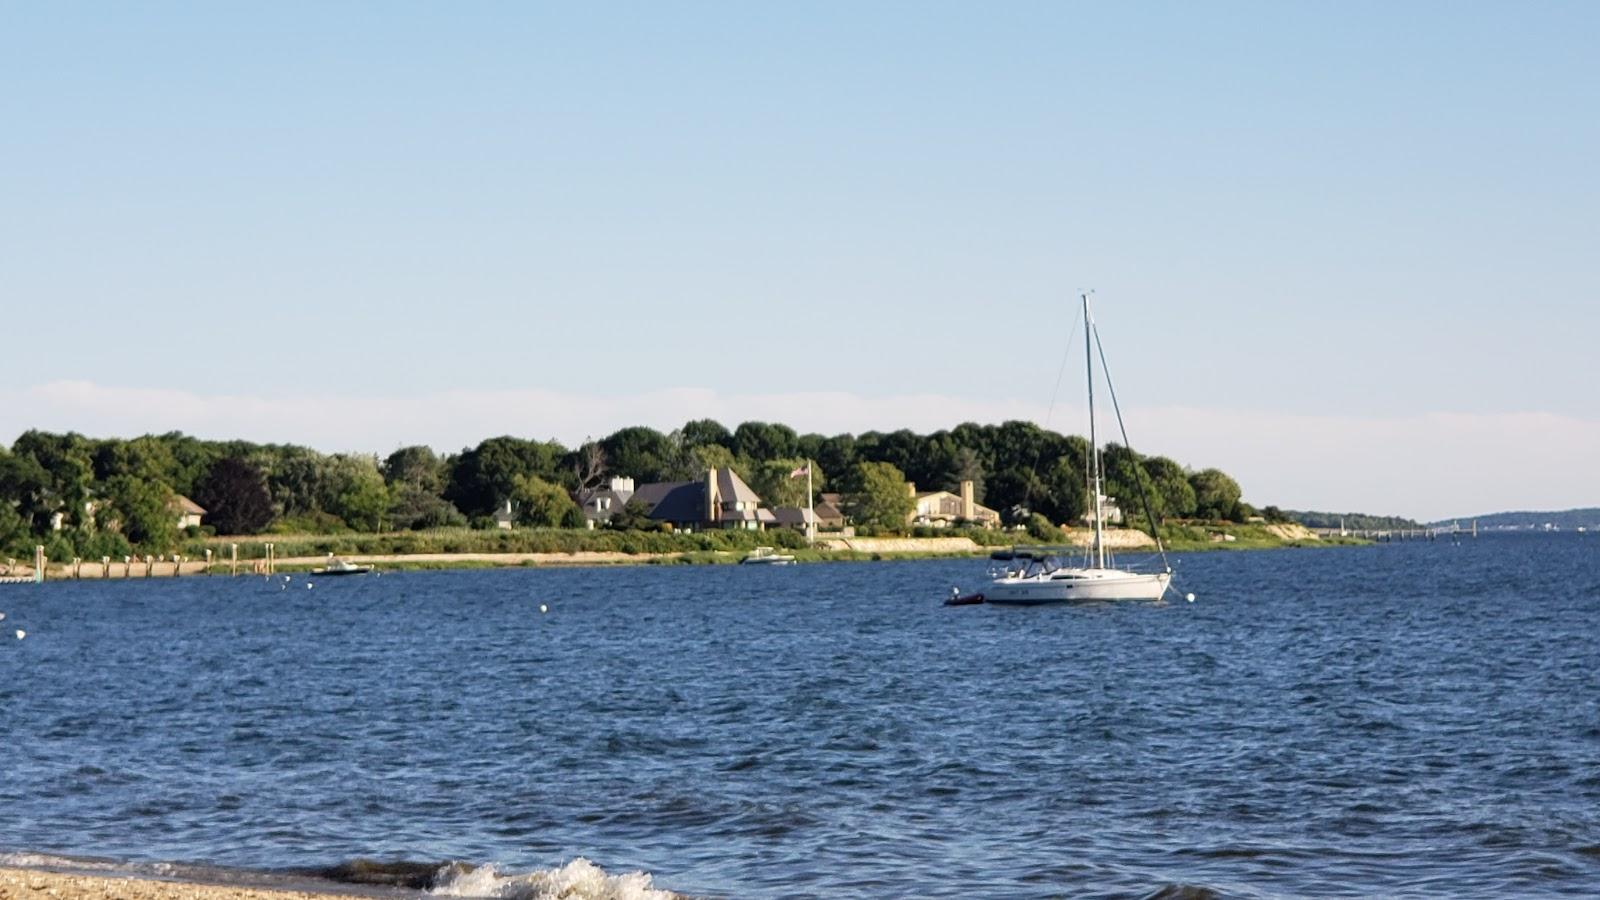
35 884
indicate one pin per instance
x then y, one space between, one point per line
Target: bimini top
1035 551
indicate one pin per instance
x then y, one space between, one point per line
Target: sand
34 884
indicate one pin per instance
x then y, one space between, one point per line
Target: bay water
1410 719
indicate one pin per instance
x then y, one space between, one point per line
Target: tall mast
1094 446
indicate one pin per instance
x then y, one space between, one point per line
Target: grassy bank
552 546
1192 536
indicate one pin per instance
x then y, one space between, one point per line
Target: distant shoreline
1187 539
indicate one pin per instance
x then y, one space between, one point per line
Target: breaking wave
577 880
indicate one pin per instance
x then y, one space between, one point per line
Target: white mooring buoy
1189 597
543 608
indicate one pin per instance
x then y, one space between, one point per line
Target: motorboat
341 567
766 556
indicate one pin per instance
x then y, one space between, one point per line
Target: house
599 504
829 516
795 517
189 512
720 500
1109 509
503 517
943 508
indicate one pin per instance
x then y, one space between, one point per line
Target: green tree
965 465
710 456
485 476
539 503
1062 497
836 454
417 465
413 508
643 454
1216 495
362 501
142 511
234 494
15 533
26 488
67 459
1170 484
1042 529
773 481
760 441
879 496
704 431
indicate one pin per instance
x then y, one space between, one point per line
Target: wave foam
577 880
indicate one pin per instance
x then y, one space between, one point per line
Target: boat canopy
1037 551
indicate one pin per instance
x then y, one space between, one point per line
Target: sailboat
1041 574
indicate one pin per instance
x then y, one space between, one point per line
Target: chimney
713 508
969 506
911 489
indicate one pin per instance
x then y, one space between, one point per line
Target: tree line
92 497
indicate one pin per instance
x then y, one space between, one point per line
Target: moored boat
341 567
766 556
1044 575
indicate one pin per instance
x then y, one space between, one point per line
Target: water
1407 719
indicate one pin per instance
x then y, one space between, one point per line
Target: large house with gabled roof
719 500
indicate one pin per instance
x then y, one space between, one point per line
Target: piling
233 564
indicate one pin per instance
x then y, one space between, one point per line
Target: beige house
943 508
189 512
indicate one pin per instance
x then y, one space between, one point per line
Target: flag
803 470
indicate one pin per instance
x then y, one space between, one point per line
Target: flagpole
811 510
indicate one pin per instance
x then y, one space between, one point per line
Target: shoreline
64 882
828 550
49 876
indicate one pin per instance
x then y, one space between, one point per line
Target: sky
1344 251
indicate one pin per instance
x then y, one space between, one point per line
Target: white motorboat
766 556
1044 576
341 567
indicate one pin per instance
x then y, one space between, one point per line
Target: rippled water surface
1419 718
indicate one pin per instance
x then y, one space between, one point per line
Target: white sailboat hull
1077 586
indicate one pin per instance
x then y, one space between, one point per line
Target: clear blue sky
1353 212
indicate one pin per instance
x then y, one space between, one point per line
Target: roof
653 493
683 501
792 515
187 506
587 494
826 510
731 488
